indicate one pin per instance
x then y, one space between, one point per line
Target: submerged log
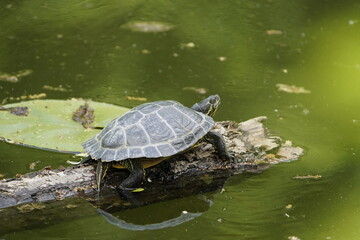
198 170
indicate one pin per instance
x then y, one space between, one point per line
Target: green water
82 46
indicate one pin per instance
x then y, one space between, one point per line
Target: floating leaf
26 97
316 177
187 45
49 124
60 88
14 77
32 165
293 238
291 88
141 99
25 208
274 32
289 206
148 26
197 90
145 51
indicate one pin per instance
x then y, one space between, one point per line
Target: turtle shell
150 130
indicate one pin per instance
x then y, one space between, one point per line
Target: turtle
150 133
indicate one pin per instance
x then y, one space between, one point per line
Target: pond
125 52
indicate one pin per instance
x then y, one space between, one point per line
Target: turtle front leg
136 177
218 141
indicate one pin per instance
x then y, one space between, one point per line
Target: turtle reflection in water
153 132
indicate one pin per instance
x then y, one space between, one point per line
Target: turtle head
208 106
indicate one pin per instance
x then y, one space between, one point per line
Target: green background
82 46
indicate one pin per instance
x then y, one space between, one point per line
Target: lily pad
50 126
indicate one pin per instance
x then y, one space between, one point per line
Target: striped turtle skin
150 130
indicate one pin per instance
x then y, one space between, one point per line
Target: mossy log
198 170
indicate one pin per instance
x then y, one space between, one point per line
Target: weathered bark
199 170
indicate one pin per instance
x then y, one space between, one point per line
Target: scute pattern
114 138
108 154
189 139
166 150
136 136
177 121
150 130
132 117
148 108
199 132
156 128
178 144
135 152
121 153
108 128
151 152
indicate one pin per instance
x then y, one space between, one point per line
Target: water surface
229 48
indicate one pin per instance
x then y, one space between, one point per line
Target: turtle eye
212 101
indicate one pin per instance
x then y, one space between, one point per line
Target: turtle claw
138 190
231 157
122 188
227 156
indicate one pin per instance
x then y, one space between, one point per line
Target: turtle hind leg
218 141
101 170
136 177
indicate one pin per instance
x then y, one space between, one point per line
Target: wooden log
198 170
